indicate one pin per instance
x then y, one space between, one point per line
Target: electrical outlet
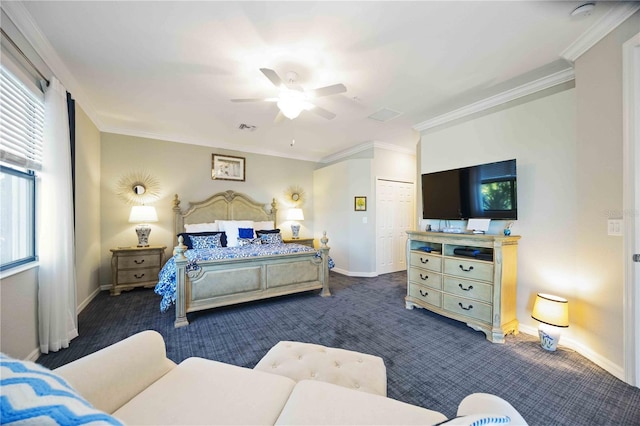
614 227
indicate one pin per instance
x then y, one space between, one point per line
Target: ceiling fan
293 99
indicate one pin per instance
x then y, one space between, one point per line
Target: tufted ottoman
303 361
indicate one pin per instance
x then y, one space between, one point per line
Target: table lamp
295 215
142 215
553 314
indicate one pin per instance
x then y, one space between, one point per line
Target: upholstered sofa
136 383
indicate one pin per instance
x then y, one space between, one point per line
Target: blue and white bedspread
166 286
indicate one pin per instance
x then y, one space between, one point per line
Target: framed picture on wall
227 167
360 204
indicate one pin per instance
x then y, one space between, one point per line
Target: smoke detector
583 10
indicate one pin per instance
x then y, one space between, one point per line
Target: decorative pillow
34 395
245 232
267 224
201 227
478 420
206 241
271 238
248 241
267 231
231 227
186 237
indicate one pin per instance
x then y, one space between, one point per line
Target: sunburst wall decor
295 195
138 187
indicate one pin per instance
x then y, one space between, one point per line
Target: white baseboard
88 300
355 274
586 352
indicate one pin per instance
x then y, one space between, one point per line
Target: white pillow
263 226
201 227
230 227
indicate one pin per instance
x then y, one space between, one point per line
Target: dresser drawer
469 289
139 261
471 308
426 261
138 275
426 294
469 269
424 277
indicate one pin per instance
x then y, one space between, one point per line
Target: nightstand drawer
469 289
475 270
426 294
426 261
139 261
424 277
471 308
138 275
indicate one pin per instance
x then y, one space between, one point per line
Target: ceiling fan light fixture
291 103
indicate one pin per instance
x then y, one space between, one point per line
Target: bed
207 277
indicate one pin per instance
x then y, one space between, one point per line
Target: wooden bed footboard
215 283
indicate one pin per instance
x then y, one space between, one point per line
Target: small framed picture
360 204
227 167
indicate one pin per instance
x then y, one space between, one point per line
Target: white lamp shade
143 214
292 102
552 310
295 214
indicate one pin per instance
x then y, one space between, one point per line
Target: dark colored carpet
431 361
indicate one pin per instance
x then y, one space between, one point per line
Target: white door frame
631 207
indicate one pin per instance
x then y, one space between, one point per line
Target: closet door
394 216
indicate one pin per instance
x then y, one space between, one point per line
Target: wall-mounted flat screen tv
484 191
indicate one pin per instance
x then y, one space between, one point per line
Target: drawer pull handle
424 293
424 260
424 277
466 309
138 262
138 276
466 270
465 289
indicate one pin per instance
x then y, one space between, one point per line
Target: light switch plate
614 227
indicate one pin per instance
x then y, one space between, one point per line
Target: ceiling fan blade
323 112
273 76
256 100
279 118
328 90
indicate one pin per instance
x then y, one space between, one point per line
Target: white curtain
57 276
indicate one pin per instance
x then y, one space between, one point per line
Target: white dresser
477 287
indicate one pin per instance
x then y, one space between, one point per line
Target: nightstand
303 241
135 267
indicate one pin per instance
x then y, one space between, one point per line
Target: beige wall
19 292
87 208
540 135
186 170
597 310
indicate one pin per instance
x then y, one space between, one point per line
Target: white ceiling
168 70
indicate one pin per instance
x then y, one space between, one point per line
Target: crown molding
610 21
20 16
499 99
363 147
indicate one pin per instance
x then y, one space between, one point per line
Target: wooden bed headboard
228 205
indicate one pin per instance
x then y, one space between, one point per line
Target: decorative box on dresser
479 288
135 267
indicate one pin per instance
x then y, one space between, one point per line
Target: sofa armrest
111 377
484 403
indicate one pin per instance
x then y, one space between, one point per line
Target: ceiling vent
385 114
247 127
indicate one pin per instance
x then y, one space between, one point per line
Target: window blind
21 124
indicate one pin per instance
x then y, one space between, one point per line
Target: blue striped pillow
33 395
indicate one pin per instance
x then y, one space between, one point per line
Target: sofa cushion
202 391
320 403
34 395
